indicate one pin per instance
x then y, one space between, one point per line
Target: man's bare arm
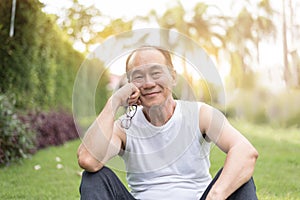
241 155
103 140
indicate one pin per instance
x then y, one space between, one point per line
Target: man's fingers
139 102
135 94
133 99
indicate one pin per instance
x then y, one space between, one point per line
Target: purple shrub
52 129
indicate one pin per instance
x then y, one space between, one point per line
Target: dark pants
105 185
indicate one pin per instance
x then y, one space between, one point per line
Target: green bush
38 64
16 140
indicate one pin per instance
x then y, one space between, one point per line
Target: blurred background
254 44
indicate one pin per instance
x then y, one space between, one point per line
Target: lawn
52 173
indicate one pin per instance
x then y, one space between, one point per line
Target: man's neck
159 115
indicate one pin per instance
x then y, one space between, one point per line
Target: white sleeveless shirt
169 161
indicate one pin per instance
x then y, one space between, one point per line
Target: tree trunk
285 49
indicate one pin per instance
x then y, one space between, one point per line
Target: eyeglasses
130 112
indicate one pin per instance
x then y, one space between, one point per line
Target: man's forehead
146 56
148 67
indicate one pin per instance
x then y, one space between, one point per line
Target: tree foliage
38 64
236 37
86 25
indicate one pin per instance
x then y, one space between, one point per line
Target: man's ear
174 77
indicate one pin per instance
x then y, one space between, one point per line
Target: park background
253 43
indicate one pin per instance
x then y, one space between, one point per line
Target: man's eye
138 77
156 74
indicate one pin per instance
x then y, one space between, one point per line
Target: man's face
148 71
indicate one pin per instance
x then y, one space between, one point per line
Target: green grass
22 181
276 175
278 167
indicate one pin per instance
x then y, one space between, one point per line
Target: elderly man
164 142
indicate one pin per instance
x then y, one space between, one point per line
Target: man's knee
102 173
246 191
91 180
97 185
103 184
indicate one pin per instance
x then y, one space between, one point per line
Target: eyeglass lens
130 112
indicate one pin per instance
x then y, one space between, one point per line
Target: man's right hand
127 95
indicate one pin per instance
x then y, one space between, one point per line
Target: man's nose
148 81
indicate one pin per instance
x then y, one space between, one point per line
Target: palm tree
199 29
247 31
287 74
236 37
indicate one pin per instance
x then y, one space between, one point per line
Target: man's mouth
150 94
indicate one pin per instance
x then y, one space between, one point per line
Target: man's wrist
216 193
114 104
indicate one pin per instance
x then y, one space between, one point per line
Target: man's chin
153 104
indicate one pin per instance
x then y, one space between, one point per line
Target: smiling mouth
150 94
